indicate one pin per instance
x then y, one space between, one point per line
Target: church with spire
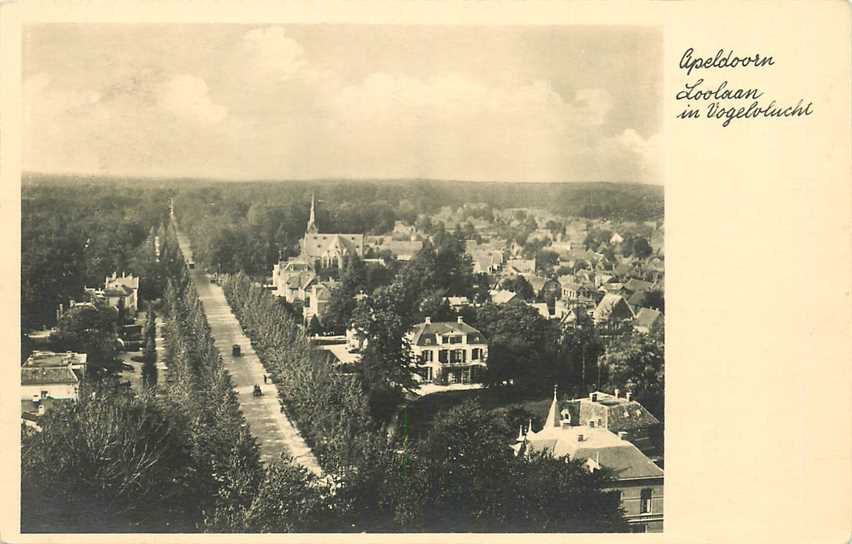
638 480
322 250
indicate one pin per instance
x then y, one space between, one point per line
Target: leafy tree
520 343
314 327
546 260
149 353
636 362
88 329
127 457
290 499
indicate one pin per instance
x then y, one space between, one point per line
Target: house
570 287
457 303
292 279
647 320
48 376
619 414
486 260
401 229
317 300
124 290
448 352
634 285
503 296
541 308
637 300
521 266
612 308
404 250
638 480
326 250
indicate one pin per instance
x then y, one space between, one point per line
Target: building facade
448 352
638 480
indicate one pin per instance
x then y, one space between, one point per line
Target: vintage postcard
414 270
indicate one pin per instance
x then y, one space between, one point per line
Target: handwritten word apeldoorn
722 59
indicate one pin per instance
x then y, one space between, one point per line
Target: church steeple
312 219
553 419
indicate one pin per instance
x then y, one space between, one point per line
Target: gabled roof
502 296
635 285
612 306
646 318
48 376
317 245
423 332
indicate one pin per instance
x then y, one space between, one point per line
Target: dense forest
77 230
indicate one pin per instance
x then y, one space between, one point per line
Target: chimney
460 319
41 409
428 320
594 397
617 391
627 395
580 438
622 435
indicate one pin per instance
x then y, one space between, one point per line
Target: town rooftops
427 333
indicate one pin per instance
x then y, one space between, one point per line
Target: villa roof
48 375
426 333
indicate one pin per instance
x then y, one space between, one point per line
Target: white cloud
187 96
272 53
277 115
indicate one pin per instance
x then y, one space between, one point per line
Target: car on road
235 350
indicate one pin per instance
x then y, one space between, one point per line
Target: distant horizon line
25 173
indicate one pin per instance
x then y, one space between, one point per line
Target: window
443 356
455 339
645 501
427 355
458 356
475 354
445 339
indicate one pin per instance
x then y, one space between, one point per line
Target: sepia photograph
342 278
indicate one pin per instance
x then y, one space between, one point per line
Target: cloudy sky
356 101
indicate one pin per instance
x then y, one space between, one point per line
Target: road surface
273 430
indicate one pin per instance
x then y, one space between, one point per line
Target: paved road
272 429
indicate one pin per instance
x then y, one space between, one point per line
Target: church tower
312 219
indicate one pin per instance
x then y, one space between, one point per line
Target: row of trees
461 477
179 457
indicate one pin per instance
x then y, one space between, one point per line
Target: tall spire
553 414
312 219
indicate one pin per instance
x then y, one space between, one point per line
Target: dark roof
635 285
46 376
429 331
637 299
626 461
646 317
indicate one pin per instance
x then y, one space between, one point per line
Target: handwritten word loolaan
692 92
688 63
714 110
